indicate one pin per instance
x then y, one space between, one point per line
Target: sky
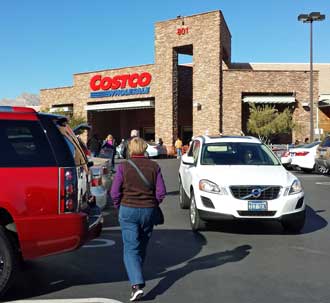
43 43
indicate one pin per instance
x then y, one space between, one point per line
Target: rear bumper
47 235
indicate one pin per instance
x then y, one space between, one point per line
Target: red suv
45 201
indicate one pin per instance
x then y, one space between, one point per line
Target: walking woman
109 149
137 203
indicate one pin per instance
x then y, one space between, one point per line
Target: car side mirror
188 160
90 164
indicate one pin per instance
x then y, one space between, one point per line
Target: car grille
245 192
256 213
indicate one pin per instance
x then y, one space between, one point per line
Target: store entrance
184 93
119 123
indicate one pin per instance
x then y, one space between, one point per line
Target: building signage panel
120 85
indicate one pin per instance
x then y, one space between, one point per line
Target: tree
74 119
265 121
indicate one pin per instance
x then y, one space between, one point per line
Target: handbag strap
144 179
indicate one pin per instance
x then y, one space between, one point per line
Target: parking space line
104 243
88 300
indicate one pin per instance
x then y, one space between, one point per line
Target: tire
196 222
294 225
8 262
184 201
324 170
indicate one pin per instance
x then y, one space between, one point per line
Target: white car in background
304 157
152 150
238 178
286 157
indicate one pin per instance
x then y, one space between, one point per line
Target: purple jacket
116 193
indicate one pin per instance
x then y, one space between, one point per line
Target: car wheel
8 262
294 225
183 198
195 221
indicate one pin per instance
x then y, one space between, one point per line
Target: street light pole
311 103
310 18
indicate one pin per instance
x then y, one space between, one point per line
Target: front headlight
210 187
296 187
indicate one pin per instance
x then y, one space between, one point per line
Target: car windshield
237 153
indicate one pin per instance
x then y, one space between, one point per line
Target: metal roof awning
269 99
121 105
324 100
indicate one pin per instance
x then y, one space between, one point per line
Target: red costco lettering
133 80
144 79
98 82
95 82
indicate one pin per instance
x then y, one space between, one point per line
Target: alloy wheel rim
192 211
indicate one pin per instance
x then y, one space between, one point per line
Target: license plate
257 205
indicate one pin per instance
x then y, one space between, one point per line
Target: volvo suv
238 178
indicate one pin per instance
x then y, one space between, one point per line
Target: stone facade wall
204 37
238 82
79 94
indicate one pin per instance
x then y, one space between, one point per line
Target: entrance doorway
121 121
184 92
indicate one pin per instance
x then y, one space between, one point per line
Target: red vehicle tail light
68 190
302 153
96 181
286 154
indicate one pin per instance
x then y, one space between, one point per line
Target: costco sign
120 85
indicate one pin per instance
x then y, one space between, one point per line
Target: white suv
238 178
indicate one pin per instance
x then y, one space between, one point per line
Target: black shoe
137 293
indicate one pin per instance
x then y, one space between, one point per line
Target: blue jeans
178 152
136 228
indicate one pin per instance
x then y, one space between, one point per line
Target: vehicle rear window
24 144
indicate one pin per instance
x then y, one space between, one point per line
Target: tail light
302 153
68 190
96 181
286 154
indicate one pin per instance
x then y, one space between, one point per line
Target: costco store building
211 95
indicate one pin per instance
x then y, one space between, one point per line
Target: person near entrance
94 144
137 205
125 150
178 146
108 150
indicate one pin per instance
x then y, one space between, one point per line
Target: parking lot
229 262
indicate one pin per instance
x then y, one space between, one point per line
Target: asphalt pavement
240 262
